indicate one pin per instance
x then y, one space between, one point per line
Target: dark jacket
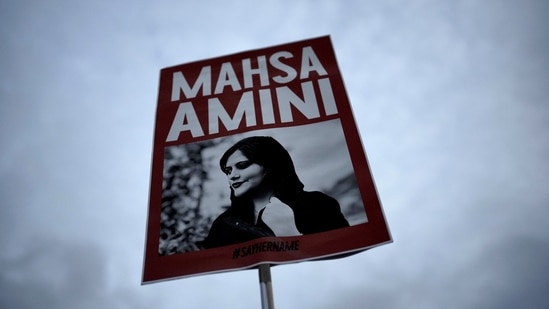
314 212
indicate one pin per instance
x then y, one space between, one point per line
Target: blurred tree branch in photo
181 224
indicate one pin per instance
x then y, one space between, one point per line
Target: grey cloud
450 98
48 273
510 273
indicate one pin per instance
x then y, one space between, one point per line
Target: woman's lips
236 184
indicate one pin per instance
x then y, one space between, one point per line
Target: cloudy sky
451 101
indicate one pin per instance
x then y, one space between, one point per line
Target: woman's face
244 176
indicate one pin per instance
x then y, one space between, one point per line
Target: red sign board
257 159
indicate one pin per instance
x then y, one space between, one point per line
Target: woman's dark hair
275 159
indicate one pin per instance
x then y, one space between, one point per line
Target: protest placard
257 159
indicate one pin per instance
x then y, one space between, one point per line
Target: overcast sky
451 99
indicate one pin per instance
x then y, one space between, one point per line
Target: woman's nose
234 174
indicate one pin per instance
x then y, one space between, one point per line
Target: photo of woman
267 197
265 183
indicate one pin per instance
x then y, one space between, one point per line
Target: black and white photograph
266 183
